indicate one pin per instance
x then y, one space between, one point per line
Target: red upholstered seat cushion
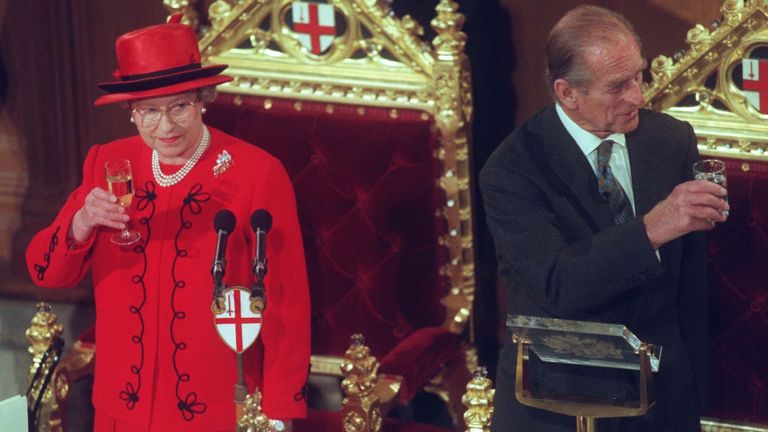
420 356
319 421
396 425
330 421
87 338
737 254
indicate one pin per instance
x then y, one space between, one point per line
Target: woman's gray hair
580 29
207 94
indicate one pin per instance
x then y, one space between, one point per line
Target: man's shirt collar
587 141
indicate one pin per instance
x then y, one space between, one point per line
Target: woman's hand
100 208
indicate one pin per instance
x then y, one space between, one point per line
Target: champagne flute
712 170
120 182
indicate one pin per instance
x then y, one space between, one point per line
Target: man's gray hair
580 29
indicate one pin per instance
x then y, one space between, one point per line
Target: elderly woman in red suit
161 365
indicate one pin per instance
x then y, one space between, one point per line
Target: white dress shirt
588 143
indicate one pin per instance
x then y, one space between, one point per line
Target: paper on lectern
13 414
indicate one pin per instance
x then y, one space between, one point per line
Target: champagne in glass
712 170
120 183
122 188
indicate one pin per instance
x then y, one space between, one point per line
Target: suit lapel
567 162
640 158
645 179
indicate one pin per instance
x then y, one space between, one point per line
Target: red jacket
161 364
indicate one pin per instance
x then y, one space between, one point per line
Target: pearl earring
132 121
203 110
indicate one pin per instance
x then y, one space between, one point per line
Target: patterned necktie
609 186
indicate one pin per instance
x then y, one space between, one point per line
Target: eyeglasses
178 112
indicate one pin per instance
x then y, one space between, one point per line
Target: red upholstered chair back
737 253
366 187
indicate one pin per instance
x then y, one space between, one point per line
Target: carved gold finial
411 26
359 369
42 332
185 7
732 11
218 12
450 39
479 402
253 419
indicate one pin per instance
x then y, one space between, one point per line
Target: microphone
224 224
261 223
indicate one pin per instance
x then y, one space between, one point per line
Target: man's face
609 102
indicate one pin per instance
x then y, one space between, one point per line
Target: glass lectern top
582 342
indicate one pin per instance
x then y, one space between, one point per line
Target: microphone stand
258 292
245 415
217 307
218 271
241 389
257 304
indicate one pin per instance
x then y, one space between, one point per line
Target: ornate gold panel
701 84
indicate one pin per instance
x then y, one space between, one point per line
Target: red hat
159 60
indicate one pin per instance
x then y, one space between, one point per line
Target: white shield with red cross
315 25
755 82
238 327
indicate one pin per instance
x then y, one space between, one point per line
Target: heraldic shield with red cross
237 326
755 82
315 25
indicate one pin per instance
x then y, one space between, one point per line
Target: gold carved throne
372 124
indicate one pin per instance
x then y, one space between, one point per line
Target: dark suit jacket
562 256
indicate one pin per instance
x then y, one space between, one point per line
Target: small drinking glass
120 182
712 170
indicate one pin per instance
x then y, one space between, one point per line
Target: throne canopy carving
719 83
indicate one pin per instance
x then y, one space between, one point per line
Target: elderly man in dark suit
595 217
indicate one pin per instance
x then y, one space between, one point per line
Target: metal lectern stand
587 344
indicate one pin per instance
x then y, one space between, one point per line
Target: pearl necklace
170 180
